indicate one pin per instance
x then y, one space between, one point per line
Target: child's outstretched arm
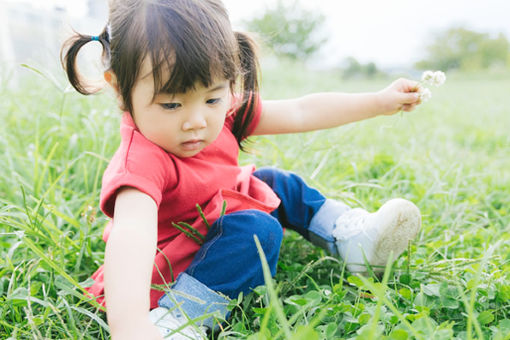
326 110
129 259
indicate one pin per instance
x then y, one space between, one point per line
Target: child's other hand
401 95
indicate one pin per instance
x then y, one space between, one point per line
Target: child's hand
401 95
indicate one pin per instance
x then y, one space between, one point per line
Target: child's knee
270 235
269 232
250 223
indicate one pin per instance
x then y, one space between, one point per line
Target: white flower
427 76
439 78
436 78
425 94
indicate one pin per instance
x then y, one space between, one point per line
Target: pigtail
249 86
69 54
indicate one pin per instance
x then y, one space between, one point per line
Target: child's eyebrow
218 87
208 90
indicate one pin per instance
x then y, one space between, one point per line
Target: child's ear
111 79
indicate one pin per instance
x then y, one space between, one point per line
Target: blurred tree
354 69
460 48
290 30
371 70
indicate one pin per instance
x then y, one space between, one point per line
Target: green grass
450 157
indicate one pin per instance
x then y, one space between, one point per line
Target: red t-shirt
177 185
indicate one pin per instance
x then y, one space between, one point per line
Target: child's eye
214 101
170 106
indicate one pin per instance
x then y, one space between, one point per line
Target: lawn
451 157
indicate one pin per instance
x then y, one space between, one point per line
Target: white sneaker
167 322
360 234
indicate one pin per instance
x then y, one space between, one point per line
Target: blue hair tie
94 38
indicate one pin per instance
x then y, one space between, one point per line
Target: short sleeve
139 164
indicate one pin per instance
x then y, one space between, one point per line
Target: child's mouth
193 145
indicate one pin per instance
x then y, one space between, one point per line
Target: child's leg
354 234
303 208
227 264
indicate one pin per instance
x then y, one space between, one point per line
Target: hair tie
94 38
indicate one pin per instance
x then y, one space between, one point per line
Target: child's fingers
415 86
410 98
407 85
409 107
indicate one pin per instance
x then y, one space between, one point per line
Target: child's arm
327 110
129 259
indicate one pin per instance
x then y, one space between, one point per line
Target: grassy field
451 157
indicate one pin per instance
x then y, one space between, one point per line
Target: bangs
187 47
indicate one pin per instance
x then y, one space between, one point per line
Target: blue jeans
228 262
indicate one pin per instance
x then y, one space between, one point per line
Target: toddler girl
183 213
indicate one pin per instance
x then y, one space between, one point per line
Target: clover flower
427 76
433 78
439 78
436 78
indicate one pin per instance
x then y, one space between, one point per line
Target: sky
392 32
389 32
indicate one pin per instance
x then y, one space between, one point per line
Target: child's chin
187 153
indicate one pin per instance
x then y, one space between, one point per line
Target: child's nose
195 121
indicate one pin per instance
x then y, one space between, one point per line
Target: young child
188 87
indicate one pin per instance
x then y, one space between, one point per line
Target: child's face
182 124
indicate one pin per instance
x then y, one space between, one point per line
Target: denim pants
228 262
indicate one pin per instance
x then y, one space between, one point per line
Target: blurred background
356 39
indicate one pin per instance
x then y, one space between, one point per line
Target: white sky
388 32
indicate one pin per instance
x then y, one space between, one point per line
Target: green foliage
53 152
450 157
290 30
354 69
460 48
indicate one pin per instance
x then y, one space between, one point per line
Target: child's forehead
146 78
216 85
146 73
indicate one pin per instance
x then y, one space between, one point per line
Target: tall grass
451 157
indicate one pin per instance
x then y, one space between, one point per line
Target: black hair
186 41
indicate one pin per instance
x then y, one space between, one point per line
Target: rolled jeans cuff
320 231
194 299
